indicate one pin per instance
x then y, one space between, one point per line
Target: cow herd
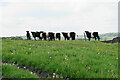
50 36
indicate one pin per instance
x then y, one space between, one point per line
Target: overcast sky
18 16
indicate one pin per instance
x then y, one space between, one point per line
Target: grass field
73 59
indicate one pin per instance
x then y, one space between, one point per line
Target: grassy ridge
74 59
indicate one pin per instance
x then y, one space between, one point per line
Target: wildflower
13 50
98 53
108 70
111 70
57 76
24 67
50 57
110 64
53 76
53 73
18 67
11 53
117 58
48 52
31 72
29 48
88 67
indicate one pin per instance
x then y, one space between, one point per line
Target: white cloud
58 15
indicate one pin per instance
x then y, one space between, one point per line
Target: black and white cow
72 35
36 34
91 35
51 36
45 36
28 35
69 35
57 36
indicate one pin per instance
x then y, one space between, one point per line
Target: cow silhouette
57 36
92 35
28 35
36 34
69 35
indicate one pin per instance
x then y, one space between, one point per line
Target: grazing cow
41 35
49 35
57 36
36 34
92 35
69 35
28 35
54 36
72 35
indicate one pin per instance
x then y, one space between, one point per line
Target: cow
91 35
36 34
72 35
51 36
28 35
57 36
45 36
69 35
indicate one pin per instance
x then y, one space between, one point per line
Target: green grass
10 71
74 59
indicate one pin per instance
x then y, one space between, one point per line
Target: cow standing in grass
69 35
36 34
28 35
49 36
92 35
57 36
72 35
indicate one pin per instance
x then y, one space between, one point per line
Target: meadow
61 59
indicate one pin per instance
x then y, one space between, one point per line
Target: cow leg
29 38
95 38
65 38
59 38
34 38
54 38
89 39
98 38
68 38
45 38
39 38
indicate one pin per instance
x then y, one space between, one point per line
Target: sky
19 16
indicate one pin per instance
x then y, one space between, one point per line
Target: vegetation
10 71
108 36
73 59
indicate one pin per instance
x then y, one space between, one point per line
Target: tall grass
10 71
73 59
